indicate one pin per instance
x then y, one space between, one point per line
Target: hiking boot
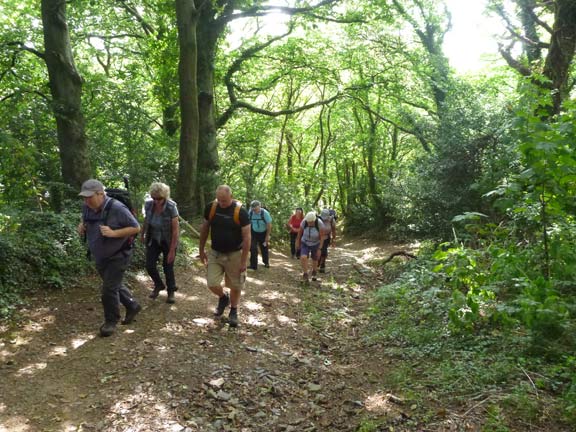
322 270
131 314
155 293
233 317
267 265
107 329
305 277
171 298
222 303
314 275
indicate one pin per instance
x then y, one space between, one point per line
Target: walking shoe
313 275
131 314
222 303
107 329
267 265
155 293
233 317
171 299
322 270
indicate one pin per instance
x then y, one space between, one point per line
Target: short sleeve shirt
260 220
119 216
311 234
226 234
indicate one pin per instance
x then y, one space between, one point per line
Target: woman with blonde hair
160 234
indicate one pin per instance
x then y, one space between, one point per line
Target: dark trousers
324 248
324 253
293 249
153 251
114 291
258 239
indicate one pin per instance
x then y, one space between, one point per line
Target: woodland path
297 362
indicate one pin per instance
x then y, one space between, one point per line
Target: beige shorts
227 265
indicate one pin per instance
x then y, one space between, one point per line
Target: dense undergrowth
38 250
502 346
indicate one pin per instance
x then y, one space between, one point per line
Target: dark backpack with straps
130 241
123 196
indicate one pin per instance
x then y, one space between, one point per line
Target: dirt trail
297 361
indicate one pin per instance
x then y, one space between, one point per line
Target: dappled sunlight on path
295 363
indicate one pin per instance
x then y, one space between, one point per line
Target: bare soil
297 362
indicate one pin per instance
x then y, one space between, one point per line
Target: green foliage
37 251
412 321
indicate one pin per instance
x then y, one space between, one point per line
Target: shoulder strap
236 217
212 210
237 212
106 211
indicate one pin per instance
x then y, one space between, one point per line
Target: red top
294 222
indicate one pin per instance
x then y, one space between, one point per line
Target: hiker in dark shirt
229 226
109 227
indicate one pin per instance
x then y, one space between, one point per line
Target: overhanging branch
252 108
23 47
415 133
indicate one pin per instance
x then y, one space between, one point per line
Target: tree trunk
187 18
208 33
290 154
561 51
66 89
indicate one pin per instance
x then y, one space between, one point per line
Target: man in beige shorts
229 226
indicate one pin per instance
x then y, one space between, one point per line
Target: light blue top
259 220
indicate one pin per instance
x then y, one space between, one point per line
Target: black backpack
121 195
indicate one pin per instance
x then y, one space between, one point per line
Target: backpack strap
237 212
236 217
212 210
106 211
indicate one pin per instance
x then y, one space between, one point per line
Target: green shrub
37 251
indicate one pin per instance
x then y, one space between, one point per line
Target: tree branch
414 133
110 37
257 11
541 23
512 62
148 29
22 46
36 92
240 104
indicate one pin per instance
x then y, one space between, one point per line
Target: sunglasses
157 198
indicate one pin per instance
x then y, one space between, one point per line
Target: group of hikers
110 228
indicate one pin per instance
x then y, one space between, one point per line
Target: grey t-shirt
311 235
119 216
